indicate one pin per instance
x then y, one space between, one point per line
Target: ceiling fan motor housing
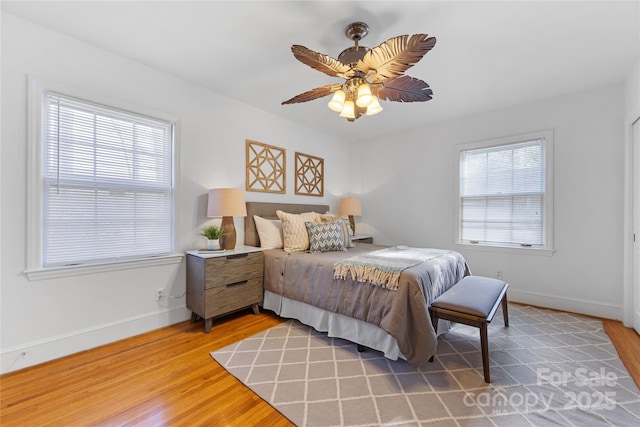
351 55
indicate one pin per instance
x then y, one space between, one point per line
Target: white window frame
548 247
35 269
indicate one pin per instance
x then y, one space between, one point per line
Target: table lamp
350 206
227 203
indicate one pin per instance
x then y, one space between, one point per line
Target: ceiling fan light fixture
348 111
374 107
365 98
368 74
337 101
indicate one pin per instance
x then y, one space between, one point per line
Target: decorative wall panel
266 168
309 175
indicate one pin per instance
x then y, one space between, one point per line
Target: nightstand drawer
224 299
220 283
234 268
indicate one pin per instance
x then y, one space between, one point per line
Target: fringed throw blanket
383 267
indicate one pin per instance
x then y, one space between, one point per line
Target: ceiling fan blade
319 61
312 94
405 89
396 55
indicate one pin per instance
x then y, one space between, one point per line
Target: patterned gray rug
547 368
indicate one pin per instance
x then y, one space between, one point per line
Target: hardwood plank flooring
627 342
163 377
166 377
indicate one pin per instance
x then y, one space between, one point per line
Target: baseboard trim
36 352
574 305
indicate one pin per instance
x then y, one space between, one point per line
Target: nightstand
220 282
360 238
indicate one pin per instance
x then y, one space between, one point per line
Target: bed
301 285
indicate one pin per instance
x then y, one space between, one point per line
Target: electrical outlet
499 274
159 294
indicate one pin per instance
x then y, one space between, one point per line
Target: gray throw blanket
383 267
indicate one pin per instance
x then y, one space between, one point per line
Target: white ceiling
489 55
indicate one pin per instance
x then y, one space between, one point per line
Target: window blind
502 194
107 183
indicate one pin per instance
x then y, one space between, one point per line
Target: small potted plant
213 234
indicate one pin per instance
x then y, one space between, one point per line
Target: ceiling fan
370 74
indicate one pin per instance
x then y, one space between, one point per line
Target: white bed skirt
334 324
340 326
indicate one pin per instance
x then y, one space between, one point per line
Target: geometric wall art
266 168
309 175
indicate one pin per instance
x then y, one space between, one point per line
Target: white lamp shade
374 107
350 206
337 101
364 96
226 202
348 110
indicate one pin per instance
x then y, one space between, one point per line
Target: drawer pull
237 283
234 256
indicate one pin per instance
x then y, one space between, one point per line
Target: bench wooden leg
484 343
434 322
505 310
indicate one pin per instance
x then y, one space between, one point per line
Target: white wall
407 191
632 93
50 318
632 113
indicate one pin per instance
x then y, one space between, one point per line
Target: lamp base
228 239
352 223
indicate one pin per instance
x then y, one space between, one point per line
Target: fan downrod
356 31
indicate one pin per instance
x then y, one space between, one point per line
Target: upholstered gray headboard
268 210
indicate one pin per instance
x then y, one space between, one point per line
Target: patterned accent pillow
294 233
346 227
324 237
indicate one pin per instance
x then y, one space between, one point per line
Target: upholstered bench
473 301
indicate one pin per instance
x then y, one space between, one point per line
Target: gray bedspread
403 313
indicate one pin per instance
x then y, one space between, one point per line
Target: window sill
505 249
80 270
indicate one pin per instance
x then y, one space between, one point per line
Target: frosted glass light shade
337 101
226 202
374 107
364 96
348 110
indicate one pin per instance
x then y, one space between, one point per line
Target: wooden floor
166 377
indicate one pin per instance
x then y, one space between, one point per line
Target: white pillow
294 232
269 232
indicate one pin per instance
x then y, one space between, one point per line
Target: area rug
548 368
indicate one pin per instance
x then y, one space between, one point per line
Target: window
106 183
505 192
